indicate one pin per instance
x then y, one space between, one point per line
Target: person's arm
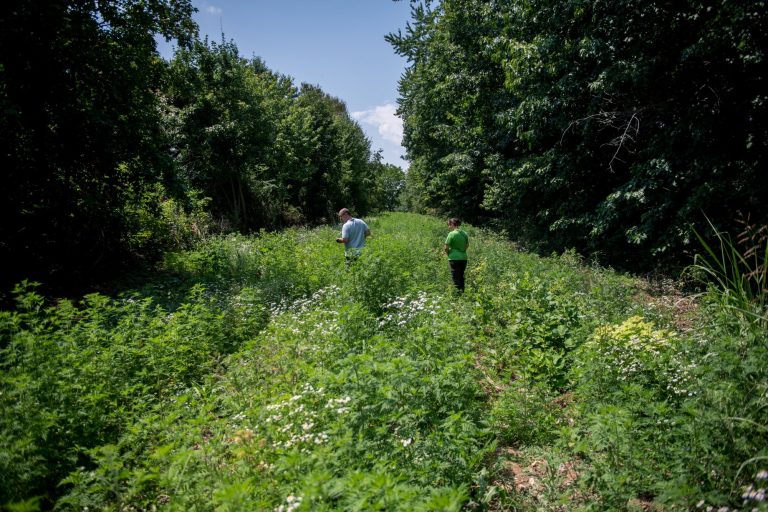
446 248
367 232
344 238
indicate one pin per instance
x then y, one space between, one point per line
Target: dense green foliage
79 131
257 373
266 153
250 370
611 127
113 155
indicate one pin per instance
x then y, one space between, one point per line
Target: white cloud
212 9
383 117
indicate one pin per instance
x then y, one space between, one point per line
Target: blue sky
336 44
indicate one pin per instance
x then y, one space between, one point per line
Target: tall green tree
390 188
450 96
79 129
340 163
266 152
612 127
222 118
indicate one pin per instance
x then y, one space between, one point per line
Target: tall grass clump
728 434
289 264
737 272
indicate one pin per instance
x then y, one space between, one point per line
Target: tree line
614 128
113 154
617 128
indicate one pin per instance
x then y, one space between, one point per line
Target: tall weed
74 376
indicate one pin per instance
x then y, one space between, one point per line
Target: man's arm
344 238
367 232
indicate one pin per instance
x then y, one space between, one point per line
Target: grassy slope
258 374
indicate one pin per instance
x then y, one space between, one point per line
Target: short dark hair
455 221
343 211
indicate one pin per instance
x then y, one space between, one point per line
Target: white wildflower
291 504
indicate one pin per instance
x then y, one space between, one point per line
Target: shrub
631 354
74 376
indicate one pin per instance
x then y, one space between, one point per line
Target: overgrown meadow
257 373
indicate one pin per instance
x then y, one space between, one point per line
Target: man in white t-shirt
353 234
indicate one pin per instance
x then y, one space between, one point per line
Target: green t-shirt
457 244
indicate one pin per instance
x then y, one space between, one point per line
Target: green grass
257 373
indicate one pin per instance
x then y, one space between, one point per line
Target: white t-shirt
354 230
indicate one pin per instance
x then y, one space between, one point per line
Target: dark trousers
457 273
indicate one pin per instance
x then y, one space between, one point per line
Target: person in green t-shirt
456 245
